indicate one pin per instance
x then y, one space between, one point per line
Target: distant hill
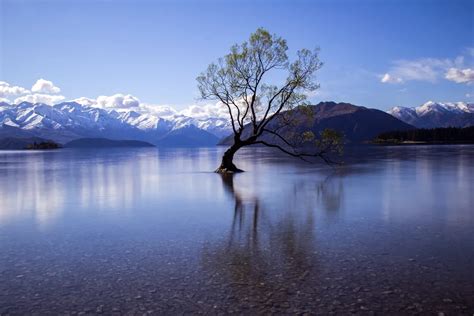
358 123
433 114
14 143
105 143
188 136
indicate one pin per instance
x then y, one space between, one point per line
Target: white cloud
85 101
207 110
423 69
158 110
45 87
216 110
460 75
119 101
7 90
387 78
42 91
116 101
40 98
129 102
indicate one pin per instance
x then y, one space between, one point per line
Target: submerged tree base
224 169
227 163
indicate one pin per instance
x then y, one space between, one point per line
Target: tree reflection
271 252
331 192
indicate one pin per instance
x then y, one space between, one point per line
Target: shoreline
426 143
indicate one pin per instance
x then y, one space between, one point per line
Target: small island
32 143
43 145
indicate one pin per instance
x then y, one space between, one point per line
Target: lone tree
261 112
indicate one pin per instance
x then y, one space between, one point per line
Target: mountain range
433 114
67 121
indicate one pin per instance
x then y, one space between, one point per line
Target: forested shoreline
432 135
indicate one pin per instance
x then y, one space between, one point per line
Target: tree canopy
242 82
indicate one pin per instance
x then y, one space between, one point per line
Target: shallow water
131 231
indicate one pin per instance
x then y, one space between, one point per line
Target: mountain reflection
43 182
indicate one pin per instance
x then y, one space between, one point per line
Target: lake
134 231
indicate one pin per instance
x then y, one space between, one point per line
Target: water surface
131 231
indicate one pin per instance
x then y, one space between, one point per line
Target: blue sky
154 50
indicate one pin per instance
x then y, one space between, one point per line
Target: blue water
155 230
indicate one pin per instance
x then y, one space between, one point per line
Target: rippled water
131 231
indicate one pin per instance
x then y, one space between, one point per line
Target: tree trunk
227 164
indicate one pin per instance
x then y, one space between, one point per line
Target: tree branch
301 156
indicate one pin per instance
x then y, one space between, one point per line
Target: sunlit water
148 230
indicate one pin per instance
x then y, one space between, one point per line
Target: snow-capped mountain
215 125
70 120
433 114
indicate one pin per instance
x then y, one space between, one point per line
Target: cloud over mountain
119 101
158 110
85 101
7 90
42 91
45 87
206 110
40 98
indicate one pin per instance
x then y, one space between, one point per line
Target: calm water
135 231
